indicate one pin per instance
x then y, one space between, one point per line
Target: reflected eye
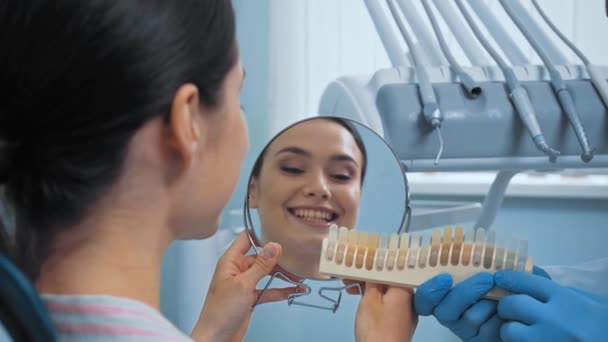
292 170
342 177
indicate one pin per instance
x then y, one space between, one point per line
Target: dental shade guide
410 260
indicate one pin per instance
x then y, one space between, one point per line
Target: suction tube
424 36
466 39
391 44
471 86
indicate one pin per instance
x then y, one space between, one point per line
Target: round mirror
318 172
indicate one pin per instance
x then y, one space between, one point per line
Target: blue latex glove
462 309
542 310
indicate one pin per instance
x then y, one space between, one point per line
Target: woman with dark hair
120 132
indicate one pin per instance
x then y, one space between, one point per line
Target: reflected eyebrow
303 152
293 149
344 157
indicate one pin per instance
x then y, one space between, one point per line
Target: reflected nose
317 187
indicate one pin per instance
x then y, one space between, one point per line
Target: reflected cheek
349 201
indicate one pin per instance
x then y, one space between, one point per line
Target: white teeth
312 214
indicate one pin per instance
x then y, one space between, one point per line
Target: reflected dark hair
347 124
78 79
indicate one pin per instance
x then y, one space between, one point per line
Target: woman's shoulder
78 317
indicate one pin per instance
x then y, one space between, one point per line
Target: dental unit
499 130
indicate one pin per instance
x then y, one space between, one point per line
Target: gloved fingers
430 293
473 319
514 332
525 283
521 308
462 296
479 313
490 330
540 272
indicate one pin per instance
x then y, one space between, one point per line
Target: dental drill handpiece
527 114
430 109
598 81
518 94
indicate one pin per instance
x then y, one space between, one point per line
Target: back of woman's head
77 79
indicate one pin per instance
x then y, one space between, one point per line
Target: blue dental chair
22 313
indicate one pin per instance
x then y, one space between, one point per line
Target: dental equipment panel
527 117
409 260
514 125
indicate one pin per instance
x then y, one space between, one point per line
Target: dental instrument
563 94
518 93
430 108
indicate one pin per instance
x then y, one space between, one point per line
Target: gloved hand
542 310
462 309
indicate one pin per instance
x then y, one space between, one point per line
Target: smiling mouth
314 216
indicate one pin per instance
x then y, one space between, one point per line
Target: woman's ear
252 193
184 131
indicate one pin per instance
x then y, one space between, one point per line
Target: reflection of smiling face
310 178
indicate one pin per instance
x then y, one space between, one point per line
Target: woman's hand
385 313
232 293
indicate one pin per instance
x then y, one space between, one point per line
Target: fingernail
270 251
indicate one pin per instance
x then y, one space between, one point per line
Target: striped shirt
102 318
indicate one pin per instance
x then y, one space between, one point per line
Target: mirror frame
248 222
